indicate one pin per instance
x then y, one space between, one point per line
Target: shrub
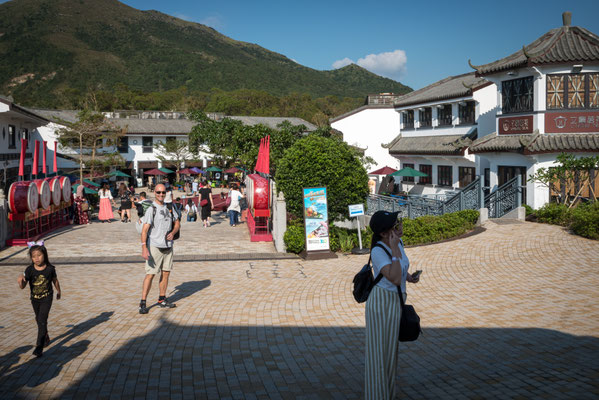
585 220
317 161
553 213
295 239
529 210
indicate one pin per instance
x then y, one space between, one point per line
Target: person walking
383 307
191 210
126 204
159 228
41 275
81 206
106 198
206 203
234 208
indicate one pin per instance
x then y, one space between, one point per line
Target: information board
316 219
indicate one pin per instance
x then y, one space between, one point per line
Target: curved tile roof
441 144
448 88
537 143
565 44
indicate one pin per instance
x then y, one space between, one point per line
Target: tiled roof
537 143
441 144
56 116
448 88
273 122
566 44
154 126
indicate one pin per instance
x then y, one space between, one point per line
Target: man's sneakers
166 304
142 308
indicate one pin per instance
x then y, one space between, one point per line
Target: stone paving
512 312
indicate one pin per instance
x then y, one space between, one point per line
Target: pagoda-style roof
537 143
454 145
566 44
447 88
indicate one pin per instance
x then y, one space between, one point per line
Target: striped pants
383 312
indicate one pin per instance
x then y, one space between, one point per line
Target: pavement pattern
510 313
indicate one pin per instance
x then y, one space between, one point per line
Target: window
408 119
123 146
408 178
171 139
147 144
444 115
575 91
444 175
466 113
517 95
466 175
426 117
25 135
12 137
427 169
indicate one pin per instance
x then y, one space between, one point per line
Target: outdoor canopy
196 169
119 173
383 171
86 190
90 182
407 171
232 170
155 171
188 171
166 170
213 169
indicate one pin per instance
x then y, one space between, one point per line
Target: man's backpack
139 225
364 281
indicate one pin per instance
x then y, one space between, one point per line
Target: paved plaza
512 312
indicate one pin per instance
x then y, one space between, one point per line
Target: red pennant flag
55 168
44 169
36 156
22 159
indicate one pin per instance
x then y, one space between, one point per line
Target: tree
95 139
316 161
175 151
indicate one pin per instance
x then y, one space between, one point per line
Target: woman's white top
235 196
192 209
105 194
380 259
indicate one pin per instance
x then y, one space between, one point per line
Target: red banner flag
36 157
55 168
44 169
22 159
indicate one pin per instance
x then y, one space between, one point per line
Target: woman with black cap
383 307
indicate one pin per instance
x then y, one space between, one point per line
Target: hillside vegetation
55 52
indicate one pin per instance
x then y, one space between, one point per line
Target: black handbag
364 282
409 324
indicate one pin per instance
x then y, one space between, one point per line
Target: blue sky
416 43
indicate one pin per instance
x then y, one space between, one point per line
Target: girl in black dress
126 204
206 203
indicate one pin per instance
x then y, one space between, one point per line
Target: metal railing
505 198
471 197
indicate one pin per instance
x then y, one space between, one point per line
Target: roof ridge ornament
474 67
567 18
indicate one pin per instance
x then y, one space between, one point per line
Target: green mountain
51 48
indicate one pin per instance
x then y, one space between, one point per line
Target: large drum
23 197
257 192
56 190
65 185
43 188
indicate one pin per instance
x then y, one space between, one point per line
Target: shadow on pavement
328 362
36 371
186 289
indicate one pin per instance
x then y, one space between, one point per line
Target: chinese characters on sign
513 125
572 122
316 219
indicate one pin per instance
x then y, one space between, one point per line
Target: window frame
462 174
425 117
441 175
408 119
467 113
427 169
514 96
566 88
145 147
12 137
123 145
444 118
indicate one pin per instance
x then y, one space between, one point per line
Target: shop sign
514 125
316 219
572 122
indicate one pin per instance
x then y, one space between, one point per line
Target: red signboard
513 125
572 122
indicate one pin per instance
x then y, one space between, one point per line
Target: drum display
23 197
65 185
56 190
43 188
257 192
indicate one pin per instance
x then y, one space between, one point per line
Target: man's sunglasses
160 192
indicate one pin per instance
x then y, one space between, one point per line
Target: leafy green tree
174 151
316 161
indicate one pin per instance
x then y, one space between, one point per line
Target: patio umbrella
166 170
155 171
232 170
213 169
197 170
383 171
188 171
90 182
407 171
86 190
119 173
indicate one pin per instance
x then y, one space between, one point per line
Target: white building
438 123
548 94
369 126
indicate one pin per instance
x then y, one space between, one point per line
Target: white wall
369 128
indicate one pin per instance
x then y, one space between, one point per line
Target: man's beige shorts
159 260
